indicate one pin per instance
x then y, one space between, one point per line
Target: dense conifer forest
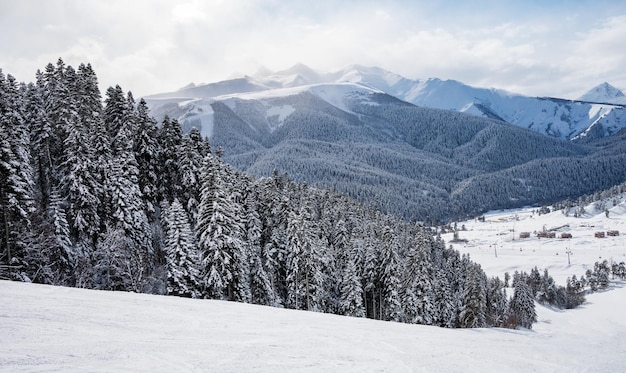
94 193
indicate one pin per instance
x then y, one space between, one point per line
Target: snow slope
502 229
55 329
199 113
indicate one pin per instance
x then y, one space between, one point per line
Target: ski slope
55 329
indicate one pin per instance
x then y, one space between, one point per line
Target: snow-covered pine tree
305 277
58 250
417 291
574 293
193 151
146 151
548 293
126 204
275 203
390 276
340 252
170 140
522 307
601 272
115 113
496 303
41 138
59 107
369 244
182 256
473 311
445 310
16 186
261 290
220 233
77 181
351 291
115 267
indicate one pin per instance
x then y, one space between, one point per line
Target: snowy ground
45 328
502 229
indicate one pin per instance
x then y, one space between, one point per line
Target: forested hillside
95 194
422 164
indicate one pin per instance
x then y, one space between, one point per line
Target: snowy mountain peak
298 74
188 86
262 72
603 93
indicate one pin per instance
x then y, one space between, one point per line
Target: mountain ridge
577 120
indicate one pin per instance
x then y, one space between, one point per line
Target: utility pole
569 252
495 251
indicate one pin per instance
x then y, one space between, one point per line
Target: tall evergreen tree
41 139
170 144
261 290
497 302
193 151
352 291
59 252
522 306
275 202
305 277
220 232
182 256
16 185
418 295
473 313
146 150
390 280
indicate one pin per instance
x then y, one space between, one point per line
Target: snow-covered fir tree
473 313
390 277
146 149
170 139
261 290
305 276
183 273
522 306
220 234
16 186
352 291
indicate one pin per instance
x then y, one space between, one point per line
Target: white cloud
153 46
598 54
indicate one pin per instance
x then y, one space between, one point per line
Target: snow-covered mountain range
375 136
600 112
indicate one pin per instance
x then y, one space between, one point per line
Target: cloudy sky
539 48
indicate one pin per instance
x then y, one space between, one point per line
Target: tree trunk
5 216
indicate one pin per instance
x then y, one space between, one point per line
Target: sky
553 48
